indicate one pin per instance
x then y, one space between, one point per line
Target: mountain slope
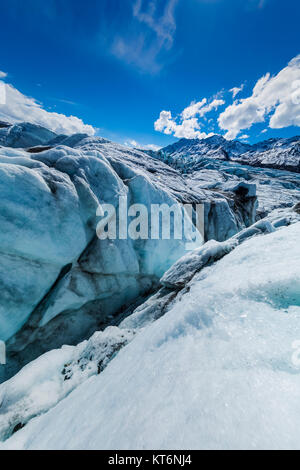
281 154
217 164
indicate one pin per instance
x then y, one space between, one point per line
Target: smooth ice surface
219 370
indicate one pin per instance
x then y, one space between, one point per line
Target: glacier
215 372
59 282
117 331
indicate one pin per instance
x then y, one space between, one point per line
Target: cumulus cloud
188 128
215 104
193 109
236 90
134 144
201 108
3 74
187 125
275 99
19 108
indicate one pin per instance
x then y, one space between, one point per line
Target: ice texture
25 135
60 283
217 371
90 358
202 341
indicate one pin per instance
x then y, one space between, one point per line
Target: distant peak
215 138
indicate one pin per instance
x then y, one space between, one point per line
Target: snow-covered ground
219 370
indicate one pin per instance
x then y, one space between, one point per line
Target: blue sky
118 64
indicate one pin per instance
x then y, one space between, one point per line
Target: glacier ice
90 358
25 135
44 382
203 341
184 270
215 372
49 197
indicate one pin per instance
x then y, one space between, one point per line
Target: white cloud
188 128
164 27
200 109
187 125
136 145
236 90
165 123
3 74
193 109
215 104
148 34
274 98
20 108
2 93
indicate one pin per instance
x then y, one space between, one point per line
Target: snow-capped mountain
199 339
274 153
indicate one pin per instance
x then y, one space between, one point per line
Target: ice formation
201 341
60 283
217 371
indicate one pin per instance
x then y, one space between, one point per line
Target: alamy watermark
2 353
154 222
